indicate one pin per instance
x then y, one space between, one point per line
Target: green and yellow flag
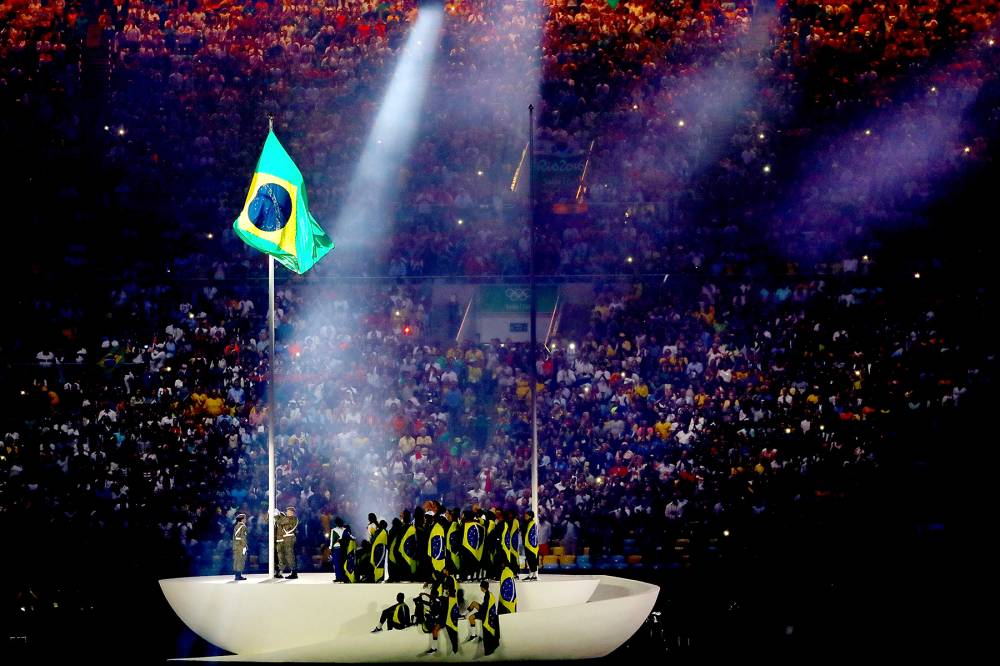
378 553
437 548
408 548
275 218
351 561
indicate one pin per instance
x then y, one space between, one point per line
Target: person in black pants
396 616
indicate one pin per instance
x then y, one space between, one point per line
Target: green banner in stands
511 298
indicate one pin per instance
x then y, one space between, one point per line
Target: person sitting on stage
396 616
486 613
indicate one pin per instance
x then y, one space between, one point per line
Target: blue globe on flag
271 207
437 548
507 590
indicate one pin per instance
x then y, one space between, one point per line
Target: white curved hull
312 619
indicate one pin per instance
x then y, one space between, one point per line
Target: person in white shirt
336 552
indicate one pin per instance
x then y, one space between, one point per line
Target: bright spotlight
372 192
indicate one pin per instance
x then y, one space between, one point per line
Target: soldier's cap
291 508
241 516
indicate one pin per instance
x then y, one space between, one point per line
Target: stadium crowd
673 411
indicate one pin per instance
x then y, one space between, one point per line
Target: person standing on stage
240 545
285 534
444 599
337 550
531 545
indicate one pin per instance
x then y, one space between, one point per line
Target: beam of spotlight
370 197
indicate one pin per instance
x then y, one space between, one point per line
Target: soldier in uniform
240 545
285 537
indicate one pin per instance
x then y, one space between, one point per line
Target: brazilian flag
379 545
397 614
451 619
531 543
110 361
482 541
408 548
505 540
491 624
275 218
350 560
515 538
393 548
471 540
454 545
508 592
436 547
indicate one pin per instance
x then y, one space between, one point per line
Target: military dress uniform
285 538
240 546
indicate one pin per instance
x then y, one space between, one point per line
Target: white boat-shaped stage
313 619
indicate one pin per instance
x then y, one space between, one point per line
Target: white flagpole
271 408
533 311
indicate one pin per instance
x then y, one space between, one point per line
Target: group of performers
475 544
433 545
